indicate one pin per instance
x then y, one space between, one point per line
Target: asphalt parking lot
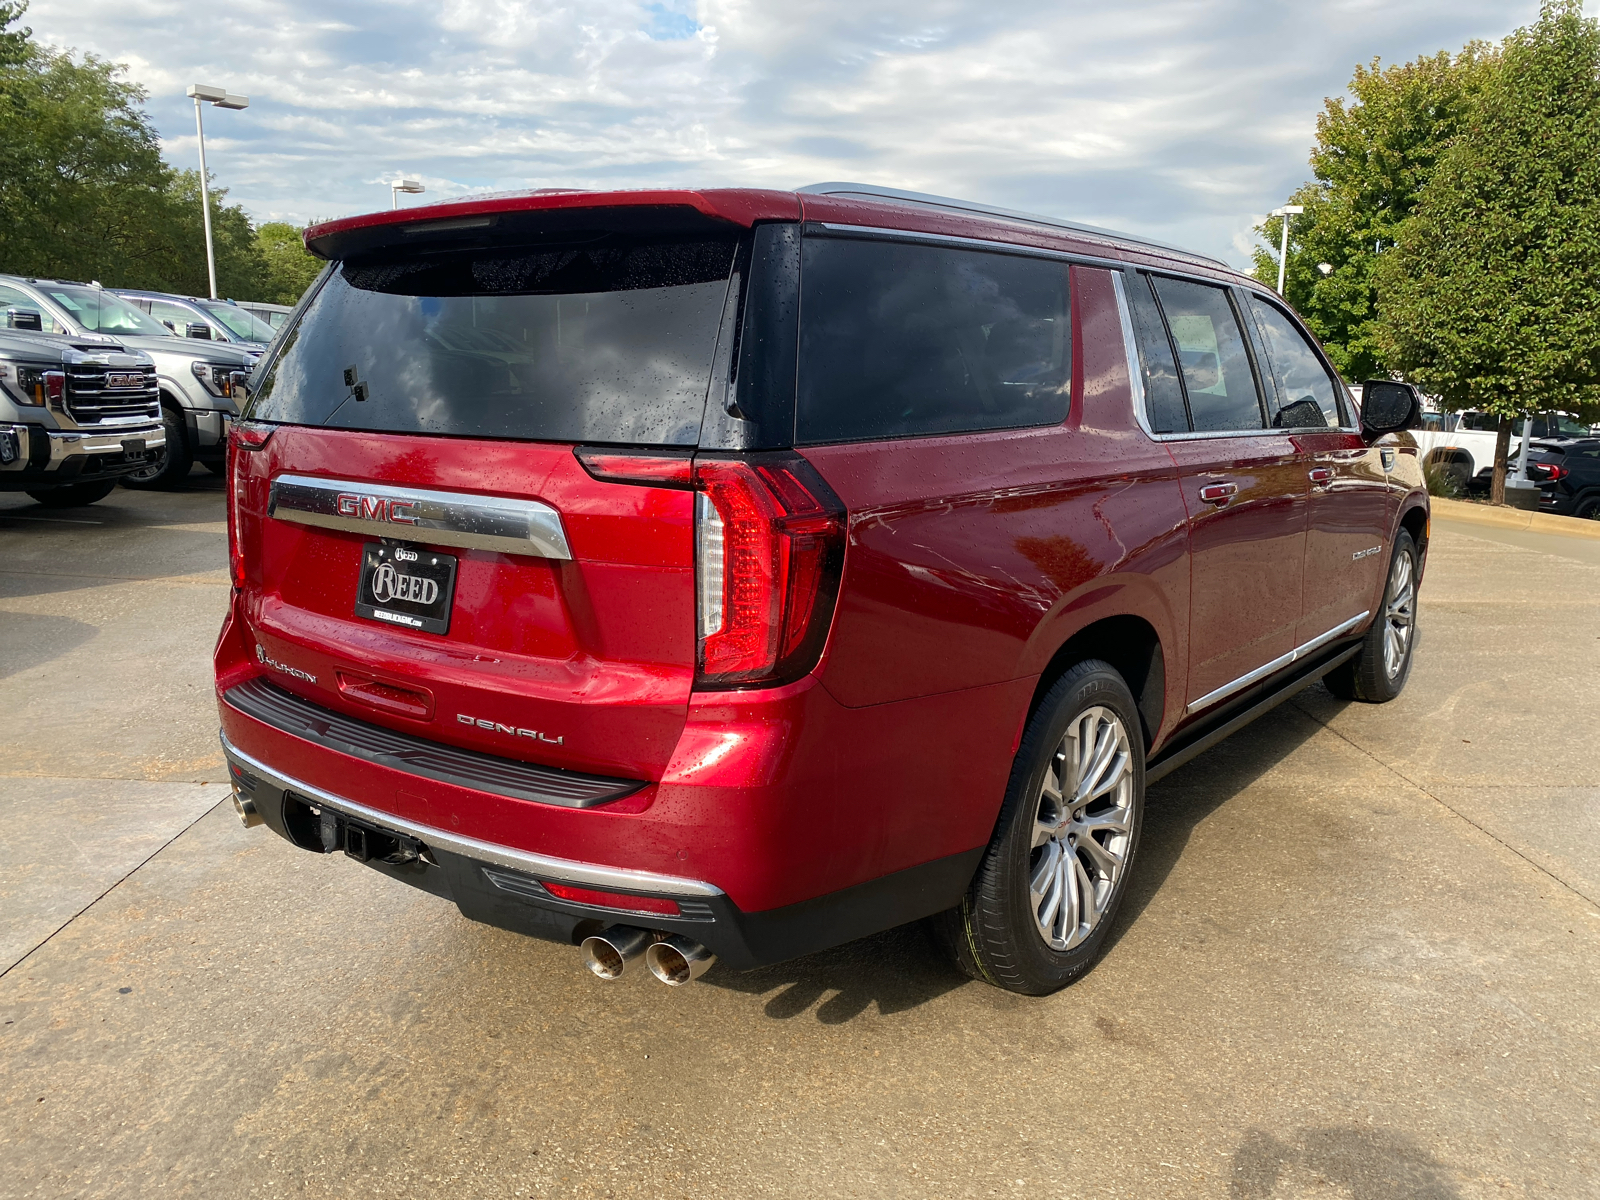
1360 960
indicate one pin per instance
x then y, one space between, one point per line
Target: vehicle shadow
1177 804
904 968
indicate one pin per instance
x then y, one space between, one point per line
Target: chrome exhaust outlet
677 961
608 953
246 808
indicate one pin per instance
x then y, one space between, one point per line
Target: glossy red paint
970 561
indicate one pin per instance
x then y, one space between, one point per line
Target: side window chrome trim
1131 347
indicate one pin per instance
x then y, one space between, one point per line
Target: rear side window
900 340
1307 397
608 341
1217 378
1163 393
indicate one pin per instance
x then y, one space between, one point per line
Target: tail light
243 438
1547 472
769 552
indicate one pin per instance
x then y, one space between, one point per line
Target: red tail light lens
639 904
1546 472
769 550
242 438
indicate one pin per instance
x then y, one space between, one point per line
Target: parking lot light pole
1287 211
222 98
404 184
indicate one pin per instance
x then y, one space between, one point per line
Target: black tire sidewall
176 461
74 495
1376 686
998 914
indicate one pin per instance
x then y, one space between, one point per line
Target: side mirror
1388 407
197 329
24 318
170 326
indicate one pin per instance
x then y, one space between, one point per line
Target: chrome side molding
1277 664
420 515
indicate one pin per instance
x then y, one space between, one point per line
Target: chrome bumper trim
1277 664
69 443
559 870
495 523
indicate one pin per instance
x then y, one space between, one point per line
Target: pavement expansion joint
118 882
1402 776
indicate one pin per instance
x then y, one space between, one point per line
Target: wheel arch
1446 455
1132 646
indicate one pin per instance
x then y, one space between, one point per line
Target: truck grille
91 399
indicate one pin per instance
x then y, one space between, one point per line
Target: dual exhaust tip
674 960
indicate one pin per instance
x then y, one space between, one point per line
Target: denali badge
266 660
496 727
1365 553
376 508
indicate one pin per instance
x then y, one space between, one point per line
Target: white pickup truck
1463 443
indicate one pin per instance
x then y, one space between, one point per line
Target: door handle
1218 493
1321 477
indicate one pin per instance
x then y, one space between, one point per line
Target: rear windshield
609 341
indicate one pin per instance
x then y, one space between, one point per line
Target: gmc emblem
376 508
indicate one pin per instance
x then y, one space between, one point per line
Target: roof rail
868 191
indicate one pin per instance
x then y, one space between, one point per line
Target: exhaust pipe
677 961
249 817
609 952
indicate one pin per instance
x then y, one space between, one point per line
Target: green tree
84 193
1490 298
1373 155
291 268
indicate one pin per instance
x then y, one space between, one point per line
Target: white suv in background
196 377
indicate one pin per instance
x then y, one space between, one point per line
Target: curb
1514 518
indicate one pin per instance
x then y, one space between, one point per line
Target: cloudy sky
1186 119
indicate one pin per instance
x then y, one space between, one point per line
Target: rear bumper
505 886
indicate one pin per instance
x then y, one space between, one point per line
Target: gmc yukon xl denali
694 575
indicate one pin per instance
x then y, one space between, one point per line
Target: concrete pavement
1360 958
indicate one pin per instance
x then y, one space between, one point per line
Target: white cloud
1179 118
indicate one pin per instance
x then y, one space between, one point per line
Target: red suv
729 574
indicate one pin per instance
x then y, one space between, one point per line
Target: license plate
406 586
133 446
124 381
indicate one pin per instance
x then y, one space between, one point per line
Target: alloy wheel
1082 827
1400 614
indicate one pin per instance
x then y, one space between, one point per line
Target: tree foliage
84 192
1373 155
1491 296
290 266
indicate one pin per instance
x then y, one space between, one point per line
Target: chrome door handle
1321 477
1218 493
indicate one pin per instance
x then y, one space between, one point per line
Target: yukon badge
266 660
514 731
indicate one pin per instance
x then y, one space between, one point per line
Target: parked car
274 315
76 415
211 320
1568 475
196 377
1463 443
731 574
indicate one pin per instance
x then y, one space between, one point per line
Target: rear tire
172 464
74 495
1588 509
1047 891
1378 672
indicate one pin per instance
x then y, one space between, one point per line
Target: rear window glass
610 341
902 340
